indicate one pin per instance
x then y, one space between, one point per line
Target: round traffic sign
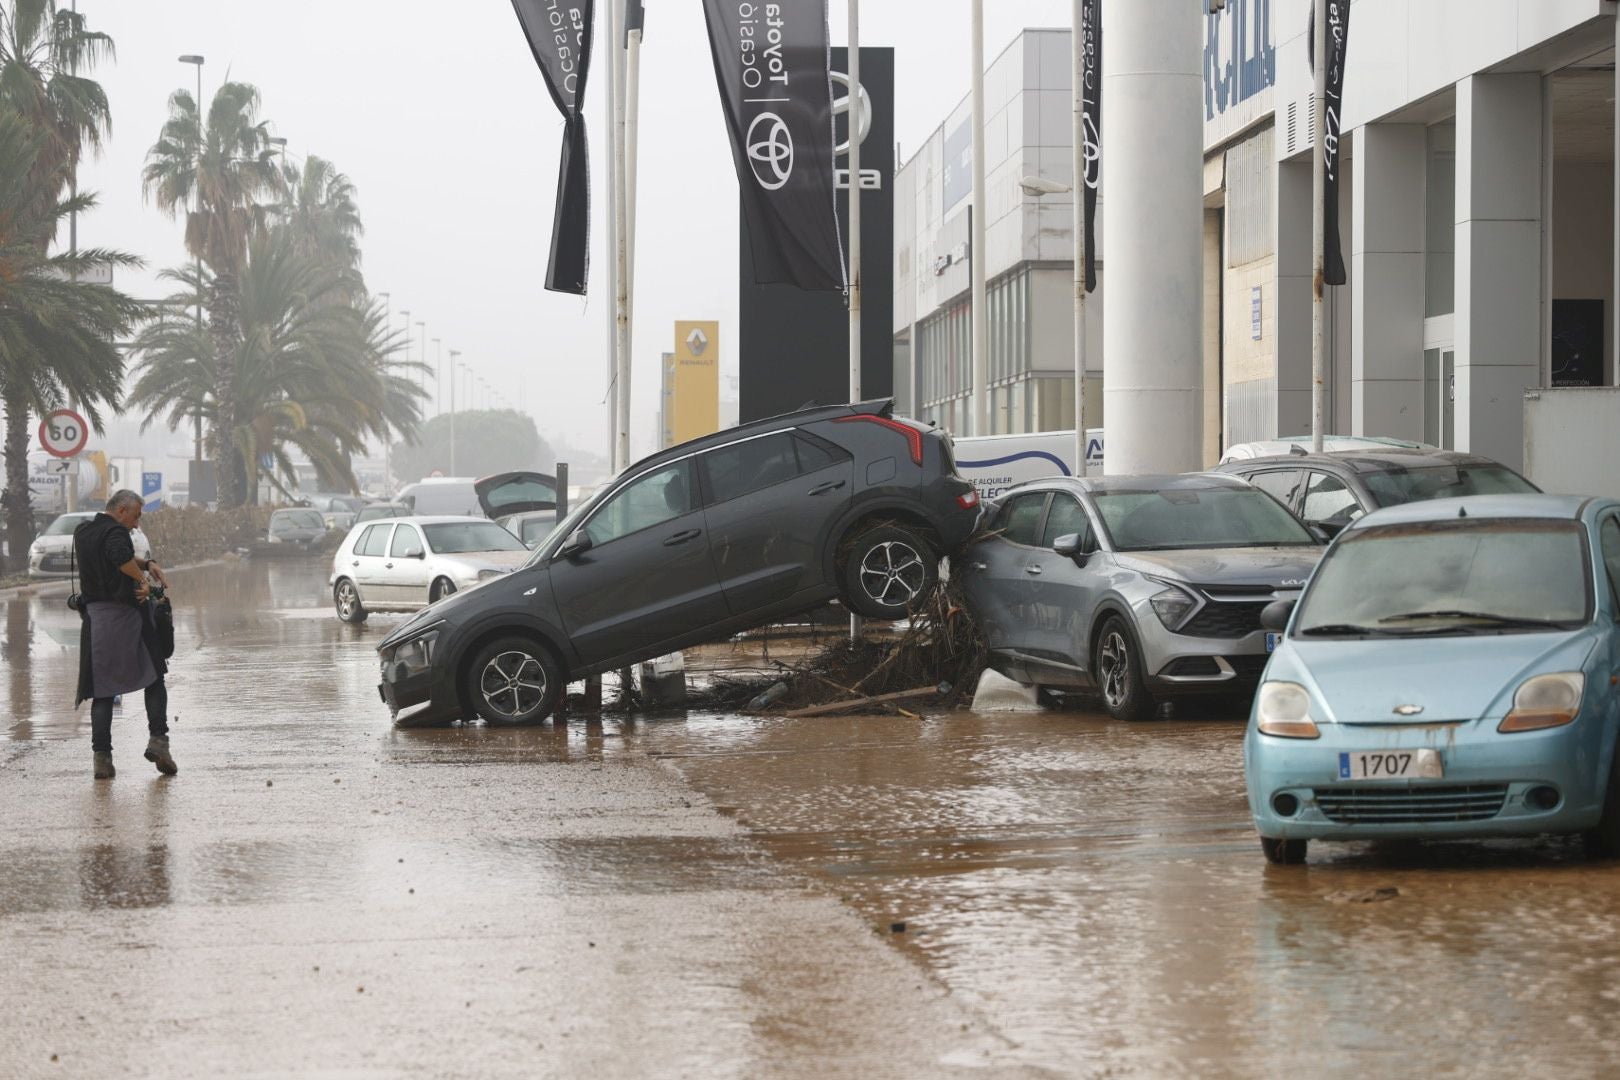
63 433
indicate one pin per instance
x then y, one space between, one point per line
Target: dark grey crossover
690 545
1333 489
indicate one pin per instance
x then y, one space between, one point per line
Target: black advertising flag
1091 117
1338 36
771 62
559 34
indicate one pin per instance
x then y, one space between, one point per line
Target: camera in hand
155 592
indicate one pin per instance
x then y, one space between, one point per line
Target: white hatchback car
50 555
403 564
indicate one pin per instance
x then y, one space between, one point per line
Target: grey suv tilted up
693 544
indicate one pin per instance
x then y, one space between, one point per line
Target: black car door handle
388 566
683 537
1032 570
822 489
978 566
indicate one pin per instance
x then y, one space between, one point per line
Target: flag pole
853 186
1319 229
1078 50
610 18
632 102
621 253
981 326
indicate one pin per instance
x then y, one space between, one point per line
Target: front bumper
1488 778
421 696
1181 664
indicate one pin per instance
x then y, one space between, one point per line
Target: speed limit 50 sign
63 433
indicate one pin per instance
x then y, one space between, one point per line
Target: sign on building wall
956 173
1240 64
693 407
1254 313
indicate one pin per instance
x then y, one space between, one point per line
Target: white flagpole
621 253
610 18
853 126
981 314
632 102
1078 50
1318 232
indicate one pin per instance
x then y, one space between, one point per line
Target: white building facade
1477 210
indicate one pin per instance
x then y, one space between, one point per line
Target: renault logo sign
697 341
770 150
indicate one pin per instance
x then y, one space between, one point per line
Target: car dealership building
1477 209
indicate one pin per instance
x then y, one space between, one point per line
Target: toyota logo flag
559 34
1338 34
771 61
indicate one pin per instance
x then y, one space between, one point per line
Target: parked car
338 511
692 544
377 511
297 527
492 496
532 527
51 553
1301 444
408 563
1330 490
1144 588
1449 672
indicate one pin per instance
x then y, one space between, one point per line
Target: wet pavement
1040 895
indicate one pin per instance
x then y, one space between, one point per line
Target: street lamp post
421 329
388 467
438 379
453 354
196 417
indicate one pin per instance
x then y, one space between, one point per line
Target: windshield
282 520
1197 518
461 537
372 513
67 523
1452 577
1444 482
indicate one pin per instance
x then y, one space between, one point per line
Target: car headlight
417 654
491 575
275 539
1283 709
36 549
1172 606
1545 701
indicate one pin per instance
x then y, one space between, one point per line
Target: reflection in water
116 877
19 666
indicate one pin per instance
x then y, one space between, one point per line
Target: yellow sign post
693 402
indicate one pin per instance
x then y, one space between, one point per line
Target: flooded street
1053 894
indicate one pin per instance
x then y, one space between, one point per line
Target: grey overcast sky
447 131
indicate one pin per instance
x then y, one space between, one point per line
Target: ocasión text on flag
771 61
559 34
1337 35
1091 118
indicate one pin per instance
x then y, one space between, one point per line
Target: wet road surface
723 896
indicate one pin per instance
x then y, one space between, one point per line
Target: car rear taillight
912 435
968 500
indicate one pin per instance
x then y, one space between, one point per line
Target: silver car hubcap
893 574
513 684
1113 664
346 599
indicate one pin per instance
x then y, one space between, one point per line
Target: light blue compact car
1450 671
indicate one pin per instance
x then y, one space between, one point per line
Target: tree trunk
224 325
19 509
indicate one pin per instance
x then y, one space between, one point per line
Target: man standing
115 648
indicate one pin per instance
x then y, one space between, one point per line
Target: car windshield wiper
1479 616
1326 629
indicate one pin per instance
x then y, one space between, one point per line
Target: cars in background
402 564
692 544
1144 588
377 511
51 553
492 496
338 511
1449 672
531 527
296 528
1330 490
1300 444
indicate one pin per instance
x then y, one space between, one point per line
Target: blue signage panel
151 485
1240 59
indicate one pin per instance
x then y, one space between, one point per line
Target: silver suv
1140 587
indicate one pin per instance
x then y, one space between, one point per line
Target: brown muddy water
693 894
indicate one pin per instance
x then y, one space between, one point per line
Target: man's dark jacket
101 545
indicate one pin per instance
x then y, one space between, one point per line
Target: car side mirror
1325 531
1275 615
1068 545
414 553
577 545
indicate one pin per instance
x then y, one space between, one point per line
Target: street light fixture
1040 185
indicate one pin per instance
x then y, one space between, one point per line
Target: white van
995 463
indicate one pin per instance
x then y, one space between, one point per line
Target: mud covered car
690 545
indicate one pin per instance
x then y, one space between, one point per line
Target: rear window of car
1399 486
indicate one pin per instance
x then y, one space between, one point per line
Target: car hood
1270 567
1454 678
495 493
513 589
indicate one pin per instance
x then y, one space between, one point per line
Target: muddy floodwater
1053 894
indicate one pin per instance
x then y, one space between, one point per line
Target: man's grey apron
119 660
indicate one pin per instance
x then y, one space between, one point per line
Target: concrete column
1153 236
1387 282
1498 317
1293 338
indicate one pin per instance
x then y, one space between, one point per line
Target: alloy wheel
893 574
513 684
1114 665
347 600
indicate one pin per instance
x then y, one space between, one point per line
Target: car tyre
346 598
1280 852
887 570
513 680
1118 664
442 587
1603 841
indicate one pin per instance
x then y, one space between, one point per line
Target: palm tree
46 311
314 374
322 216
218 174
